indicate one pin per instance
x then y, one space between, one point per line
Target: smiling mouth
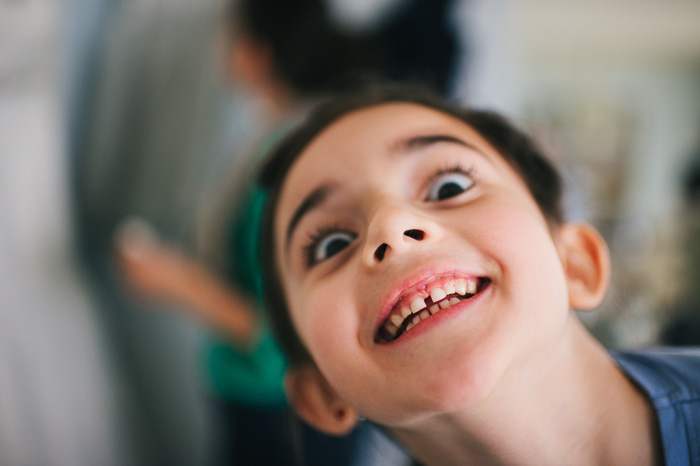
421 304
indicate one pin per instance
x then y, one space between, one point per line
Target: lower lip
434 320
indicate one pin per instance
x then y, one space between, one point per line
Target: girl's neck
574 406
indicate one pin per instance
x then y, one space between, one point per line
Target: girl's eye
447 185
329 245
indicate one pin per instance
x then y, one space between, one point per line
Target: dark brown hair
513 145
314 53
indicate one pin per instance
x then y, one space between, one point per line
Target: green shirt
254 377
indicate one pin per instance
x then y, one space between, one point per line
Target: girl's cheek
322 326
331 328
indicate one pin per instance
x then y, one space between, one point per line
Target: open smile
428 300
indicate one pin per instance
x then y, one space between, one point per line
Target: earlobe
315 401
586 262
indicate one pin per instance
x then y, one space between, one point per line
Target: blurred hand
161 272
149 266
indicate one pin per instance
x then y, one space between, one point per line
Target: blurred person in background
151 127
287 54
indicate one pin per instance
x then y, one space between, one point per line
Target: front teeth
438 293
417 304
443 297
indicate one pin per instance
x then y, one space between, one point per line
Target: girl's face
417 267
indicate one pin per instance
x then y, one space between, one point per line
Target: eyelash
314 239
456 168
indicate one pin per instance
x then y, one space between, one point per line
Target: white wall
55 382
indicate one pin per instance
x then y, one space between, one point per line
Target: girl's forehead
380 123
372 132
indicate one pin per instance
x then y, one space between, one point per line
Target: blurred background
115 109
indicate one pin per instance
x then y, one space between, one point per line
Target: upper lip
414 283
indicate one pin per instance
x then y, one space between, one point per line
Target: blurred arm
163 273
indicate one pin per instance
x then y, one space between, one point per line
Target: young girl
420 274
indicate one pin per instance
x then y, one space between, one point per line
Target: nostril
418 235
379 253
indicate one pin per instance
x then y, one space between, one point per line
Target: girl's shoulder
671 379
663 371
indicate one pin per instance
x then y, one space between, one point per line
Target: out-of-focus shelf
601 30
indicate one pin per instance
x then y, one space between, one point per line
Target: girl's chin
438 396
465 379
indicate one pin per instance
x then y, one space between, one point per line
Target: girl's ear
586 262
316 401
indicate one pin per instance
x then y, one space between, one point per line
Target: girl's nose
414 233
393 229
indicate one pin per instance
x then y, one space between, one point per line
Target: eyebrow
419 142
313 200
319 195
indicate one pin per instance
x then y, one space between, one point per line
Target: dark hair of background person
313 54
518 149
